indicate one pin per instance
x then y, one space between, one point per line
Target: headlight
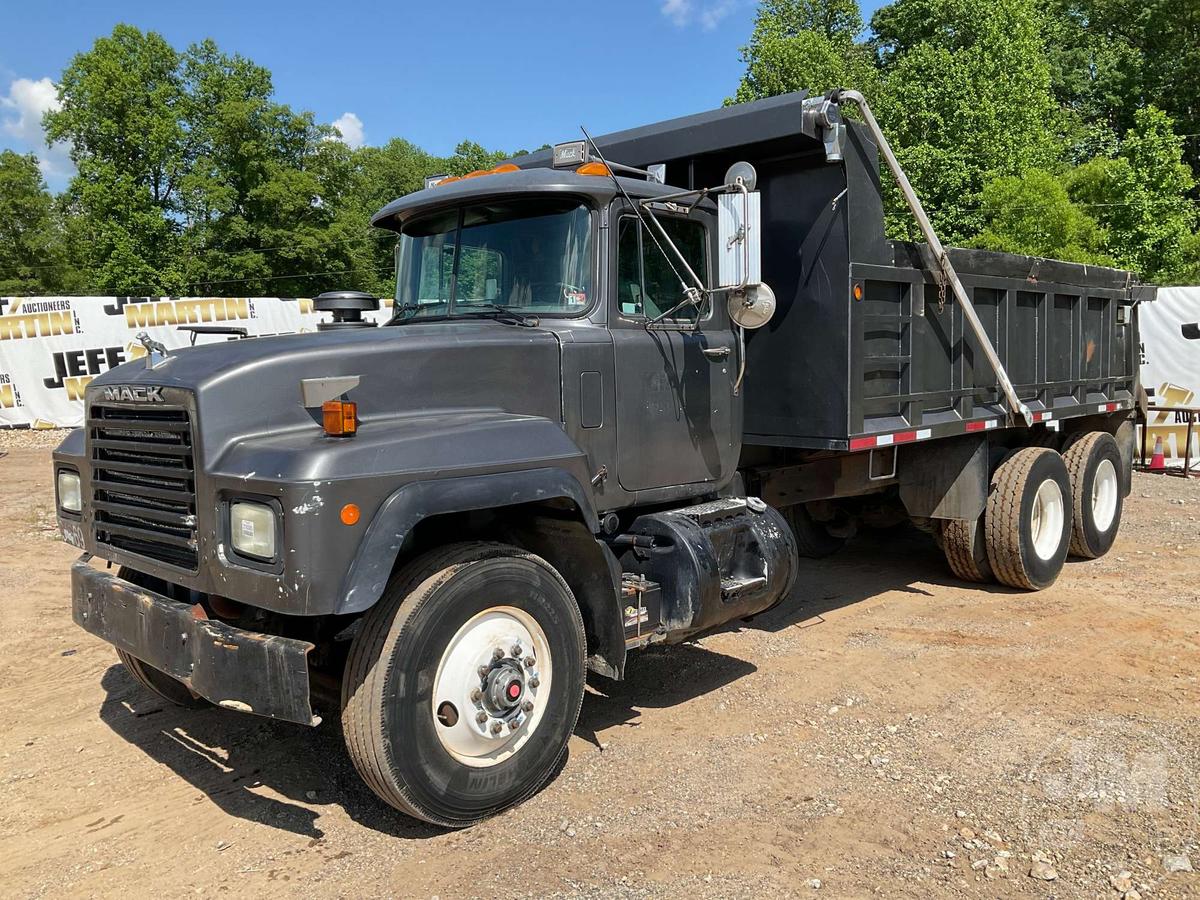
70 497
252 529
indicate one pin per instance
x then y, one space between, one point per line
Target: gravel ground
888 731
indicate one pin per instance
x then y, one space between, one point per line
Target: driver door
678 421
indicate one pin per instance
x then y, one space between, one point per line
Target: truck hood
415 372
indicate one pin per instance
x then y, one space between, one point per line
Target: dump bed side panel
1068 344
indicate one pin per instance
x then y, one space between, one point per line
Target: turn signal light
340 417
593 168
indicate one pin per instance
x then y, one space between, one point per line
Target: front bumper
234 668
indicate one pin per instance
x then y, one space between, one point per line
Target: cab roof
524 182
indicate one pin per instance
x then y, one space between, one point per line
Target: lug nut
529 662
497 653
481 717
496 726
476 695
514 725
483 670
515 651
533 682
527 706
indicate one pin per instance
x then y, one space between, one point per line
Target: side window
646 281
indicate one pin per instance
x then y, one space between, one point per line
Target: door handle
717 353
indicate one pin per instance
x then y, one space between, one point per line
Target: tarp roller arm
1015 407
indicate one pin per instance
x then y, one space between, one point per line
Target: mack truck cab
585 428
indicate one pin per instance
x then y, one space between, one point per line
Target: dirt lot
888 731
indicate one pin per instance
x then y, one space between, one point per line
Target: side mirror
739 234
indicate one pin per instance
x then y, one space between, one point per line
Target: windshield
530 256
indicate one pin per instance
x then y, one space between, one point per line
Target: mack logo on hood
150 394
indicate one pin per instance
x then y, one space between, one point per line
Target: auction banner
51 347
1171 366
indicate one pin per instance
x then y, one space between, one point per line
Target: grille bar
144 482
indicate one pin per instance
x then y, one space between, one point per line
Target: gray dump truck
627 384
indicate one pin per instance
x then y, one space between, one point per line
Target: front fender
402 510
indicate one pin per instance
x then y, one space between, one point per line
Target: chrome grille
144 482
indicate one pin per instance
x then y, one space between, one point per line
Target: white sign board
51 347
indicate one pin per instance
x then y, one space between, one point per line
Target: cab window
647 286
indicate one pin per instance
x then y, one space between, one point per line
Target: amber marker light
593 168
340 417
350 514
858 292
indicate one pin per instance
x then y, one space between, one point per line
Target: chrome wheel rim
1104 495
491 686
1047 519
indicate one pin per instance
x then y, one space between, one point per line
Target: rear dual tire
1024 533
1096 467
1027 523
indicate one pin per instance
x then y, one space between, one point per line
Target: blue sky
432 73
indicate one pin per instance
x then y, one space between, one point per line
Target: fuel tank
714 562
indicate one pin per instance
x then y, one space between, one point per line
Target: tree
1140 197
967 101
805 45
33 250
1033 214
380 175
120 112
265 186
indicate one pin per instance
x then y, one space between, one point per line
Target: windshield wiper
495 309
399 311
477 310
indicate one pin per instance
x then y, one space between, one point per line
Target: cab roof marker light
594 168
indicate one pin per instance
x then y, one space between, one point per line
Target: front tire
1096 467
464 683
1028 519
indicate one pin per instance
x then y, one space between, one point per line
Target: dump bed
865 348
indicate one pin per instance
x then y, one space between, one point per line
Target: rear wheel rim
492 686
1104 495
1046 524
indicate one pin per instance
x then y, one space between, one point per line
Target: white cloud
678 11
711 15
351 128
21 114
708 13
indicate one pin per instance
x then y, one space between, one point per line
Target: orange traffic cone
1157 464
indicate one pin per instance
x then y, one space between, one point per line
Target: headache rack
144 482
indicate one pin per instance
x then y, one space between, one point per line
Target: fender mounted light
340 417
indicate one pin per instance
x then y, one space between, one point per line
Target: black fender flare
403 509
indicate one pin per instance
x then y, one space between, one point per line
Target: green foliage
192 179
805 44
32 248
1140 196
1022 125
967 101
1068 128
1033 214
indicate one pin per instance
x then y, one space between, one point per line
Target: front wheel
464 683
